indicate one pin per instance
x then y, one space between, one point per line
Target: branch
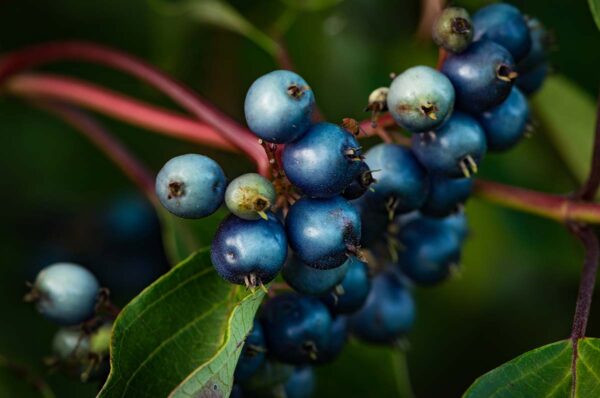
113 104
586 290
589 189
83 51
559 208
109 145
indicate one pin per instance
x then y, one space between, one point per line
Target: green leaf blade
180 326
595 9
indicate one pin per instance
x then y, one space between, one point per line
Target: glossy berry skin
540 46
446 195
253 354
446 151
505 124
453 29
362 182
66 293
279 106
531 81
388 313
191 186
249 196
245 250
400 178
455 223
482 75
308 280
420 99
301 384
323 161
297 328
70 344
354 289
429 251
323 231
505 25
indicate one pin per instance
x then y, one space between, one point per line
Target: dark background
520 273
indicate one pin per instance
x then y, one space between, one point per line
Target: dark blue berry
253 354
505 124
337 340
301 384
455 150
249 196
388 313
446 195
456 223
323 161
352 292
279 106
236 391
363 181
129 219
482 75
540 46
249 252
308 280
505 25
429 251
297 328
191 186
269 375
322 232
65 293
420 99
374 221
531 81
401 181
453 29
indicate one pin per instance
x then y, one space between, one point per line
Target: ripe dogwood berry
301 383
308 280
453 29
446 195
352 292
279 106
249 196
191 186
253 354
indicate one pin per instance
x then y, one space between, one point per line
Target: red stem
116 105
109 145
83 51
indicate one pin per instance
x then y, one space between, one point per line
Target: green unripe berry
100 340
249 196
453 29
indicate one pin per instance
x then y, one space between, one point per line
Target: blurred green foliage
520 273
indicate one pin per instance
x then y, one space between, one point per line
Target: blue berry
322 232
308 280
482 75
297 328
362 182
505 25
323 161
191 186
352 292
249 252
301 384
374 221
69 344
531 81
540 46
337 340
269 375
249 196
129 219
279 106
401 181
236 391
429 251
455 150
253 354
388 313
420 99
455 223
446 195
65 293
505 124
453 29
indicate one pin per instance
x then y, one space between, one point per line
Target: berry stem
556 207
589 241
589 189
109 145
121 107
84 51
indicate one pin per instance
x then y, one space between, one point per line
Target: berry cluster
334 206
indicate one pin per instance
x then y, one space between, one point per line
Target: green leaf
595 9
544 372
182 335
311 5
18 381
568 115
